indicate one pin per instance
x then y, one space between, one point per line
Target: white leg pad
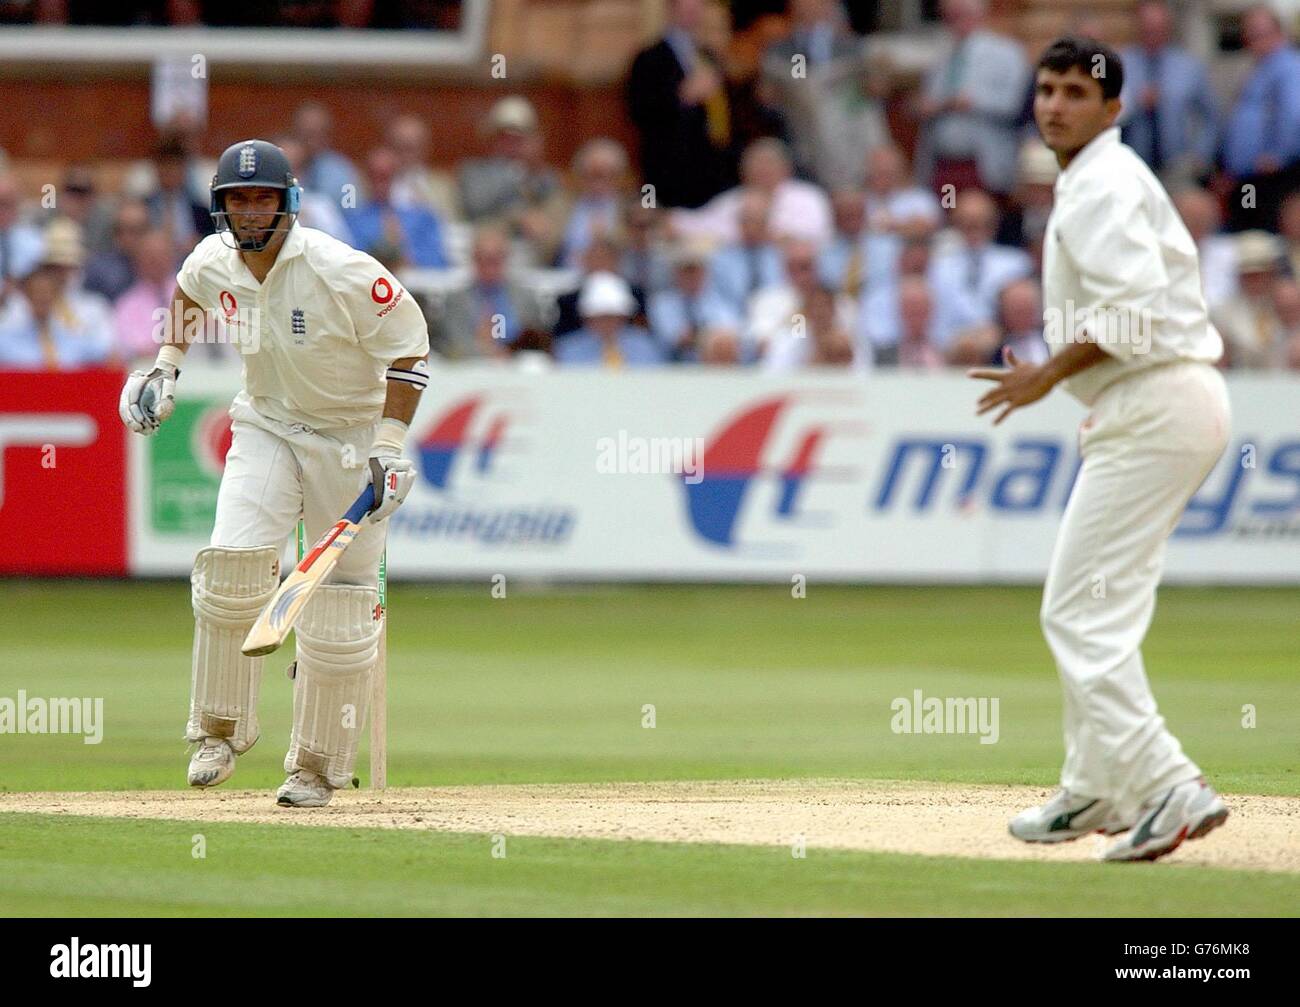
228 588
338 644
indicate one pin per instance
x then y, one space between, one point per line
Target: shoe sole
1203 828
284 802
205 783
1053 841
1050 840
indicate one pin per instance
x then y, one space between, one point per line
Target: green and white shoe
1065 817
1188 811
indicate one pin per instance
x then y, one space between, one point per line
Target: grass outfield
550 686
98 867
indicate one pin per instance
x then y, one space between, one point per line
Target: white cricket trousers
1149 443
277 471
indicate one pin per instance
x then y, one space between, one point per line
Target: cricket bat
282 611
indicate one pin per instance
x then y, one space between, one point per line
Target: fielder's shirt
1119 264
317 334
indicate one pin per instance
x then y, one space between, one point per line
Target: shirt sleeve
388 322
1122 280
194 280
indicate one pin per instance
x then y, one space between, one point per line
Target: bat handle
363 505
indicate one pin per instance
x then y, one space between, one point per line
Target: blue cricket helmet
259 163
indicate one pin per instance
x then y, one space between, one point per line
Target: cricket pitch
932 819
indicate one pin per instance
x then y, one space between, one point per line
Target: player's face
1070 109
252 210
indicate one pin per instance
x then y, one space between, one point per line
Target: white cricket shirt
317 334
1119 264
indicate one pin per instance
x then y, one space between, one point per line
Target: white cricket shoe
304 790
213 763
1065 817
1188 811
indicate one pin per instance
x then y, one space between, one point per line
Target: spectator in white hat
1252 331
47 324
513 184
603 255
606 337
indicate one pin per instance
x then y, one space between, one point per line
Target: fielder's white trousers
277 471
1148 444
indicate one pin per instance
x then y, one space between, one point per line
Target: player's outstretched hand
1018 384
148 399
396 475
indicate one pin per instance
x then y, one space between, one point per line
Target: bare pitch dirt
1263 833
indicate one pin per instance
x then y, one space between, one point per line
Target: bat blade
277 618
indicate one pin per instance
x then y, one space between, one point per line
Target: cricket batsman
335 356
1126 323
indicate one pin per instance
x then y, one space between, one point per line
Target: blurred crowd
819 239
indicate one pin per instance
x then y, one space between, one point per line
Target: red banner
62 473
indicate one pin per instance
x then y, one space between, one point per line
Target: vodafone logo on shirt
228 303
381 292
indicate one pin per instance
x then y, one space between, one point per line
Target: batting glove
148 399
393 474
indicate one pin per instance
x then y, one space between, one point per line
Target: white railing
412 49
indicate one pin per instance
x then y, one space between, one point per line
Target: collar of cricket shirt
1093 149
293 243
292 246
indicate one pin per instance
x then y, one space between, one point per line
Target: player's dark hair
1094 58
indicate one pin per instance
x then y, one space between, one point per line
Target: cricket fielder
1126 323
335 357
